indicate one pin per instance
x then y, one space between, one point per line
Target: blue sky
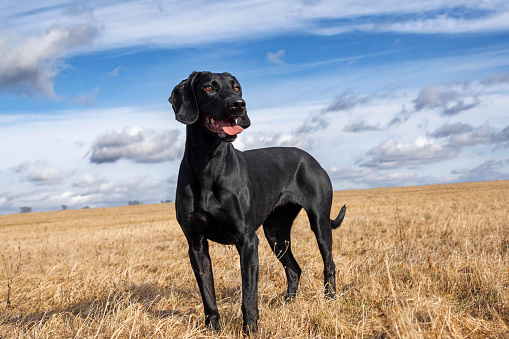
381 93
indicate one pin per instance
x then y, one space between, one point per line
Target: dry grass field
414 262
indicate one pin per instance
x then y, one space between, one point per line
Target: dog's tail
339 219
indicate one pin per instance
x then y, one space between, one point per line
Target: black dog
225 195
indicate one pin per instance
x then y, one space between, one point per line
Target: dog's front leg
202 267
248 250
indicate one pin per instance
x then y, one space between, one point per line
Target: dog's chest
218 212
216 224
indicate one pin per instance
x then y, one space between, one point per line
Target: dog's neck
207 157
203 149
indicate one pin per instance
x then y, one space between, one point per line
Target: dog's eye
236 89
208 88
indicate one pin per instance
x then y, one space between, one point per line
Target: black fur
225 195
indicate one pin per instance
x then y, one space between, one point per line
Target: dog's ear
183 100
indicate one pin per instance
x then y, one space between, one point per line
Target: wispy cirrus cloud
277 57
131 23
450 99
463 135
448 130
447 101
343 102
488 170
362 126
34 43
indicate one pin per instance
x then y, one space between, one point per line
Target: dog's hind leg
277 229
321 226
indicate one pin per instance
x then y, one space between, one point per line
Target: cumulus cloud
30 63
45 176
87 180
40 173
258 140
391 154
104 192
276 58
91 191
138 145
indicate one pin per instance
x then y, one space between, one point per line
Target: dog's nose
238 105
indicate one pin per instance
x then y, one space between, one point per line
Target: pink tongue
229 128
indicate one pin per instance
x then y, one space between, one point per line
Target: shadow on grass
112 301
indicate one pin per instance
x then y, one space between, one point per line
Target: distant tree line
27 209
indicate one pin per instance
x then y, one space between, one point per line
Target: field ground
430 262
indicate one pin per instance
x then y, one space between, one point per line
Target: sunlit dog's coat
225 195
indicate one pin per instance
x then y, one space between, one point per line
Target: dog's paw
290 296
330 291
250 327
213 323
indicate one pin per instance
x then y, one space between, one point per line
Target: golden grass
416 262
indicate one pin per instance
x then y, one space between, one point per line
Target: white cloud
447 101
350 178
29 63
451 129
114 73
392 154
88 99
45 176
138 145
361 126
276 58
91 192
276 139
446 24
488 170
129 23
87 180
463 135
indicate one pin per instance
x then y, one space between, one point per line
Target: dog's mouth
223 128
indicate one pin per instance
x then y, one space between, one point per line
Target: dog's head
212 100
